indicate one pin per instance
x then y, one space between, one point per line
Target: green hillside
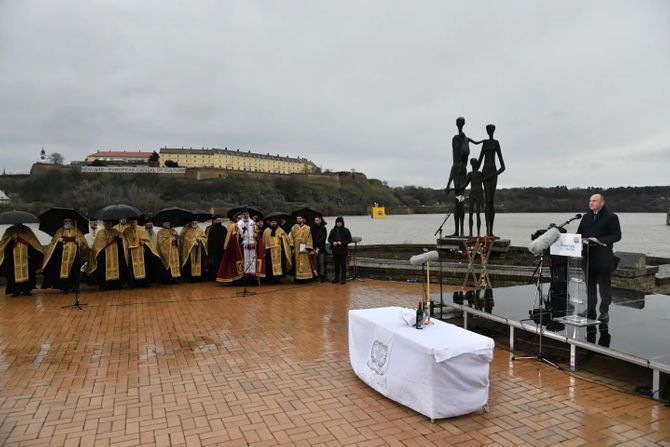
342 193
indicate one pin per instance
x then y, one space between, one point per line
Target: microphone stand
542 305
77 282
439 230
76 303
539 299
439 258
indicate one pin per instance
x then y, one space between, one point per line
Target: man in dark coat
319 236
601 228
216 237
339 238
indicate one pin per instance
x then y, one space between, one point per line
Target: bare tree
56 158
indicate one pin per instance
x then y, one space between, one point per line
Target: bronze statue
476 181
490 172
460 153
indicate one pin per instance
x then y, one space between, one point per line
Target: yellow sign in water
378 211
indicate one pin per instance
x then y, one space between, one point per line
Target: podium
574 248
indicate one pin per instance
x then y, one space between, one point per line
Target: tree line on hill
553 199
88 192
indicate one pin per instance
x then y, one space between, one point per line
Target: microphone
539 245
83 268
575 217
589 241
424 257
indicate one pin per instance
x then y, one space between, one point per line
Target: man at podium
600 227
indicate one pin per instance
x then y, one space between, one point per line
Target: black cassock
216 237
7 270
99 277
51 273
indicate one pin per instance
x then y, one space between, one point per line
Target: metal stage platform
638 331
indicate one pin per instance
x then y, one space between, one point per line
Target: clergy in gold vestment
277 252
20 258
65 254
144 263
168 249
121 225
301 242
107 266
193 242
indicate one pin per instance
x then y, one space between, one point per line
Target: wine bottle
419 316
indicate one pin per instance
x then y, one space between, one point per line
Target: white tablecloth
440 371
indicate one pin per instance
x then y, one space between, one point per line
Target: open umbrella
259 216
278 215
307 213
252 211
177 216
17 217
201 215
119 211
52 219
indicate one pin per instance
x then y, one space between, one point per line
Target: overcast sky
579 90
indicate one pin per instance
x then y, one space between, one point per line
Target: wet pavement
197 365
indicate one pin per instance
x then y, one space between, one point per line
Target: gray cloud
374 86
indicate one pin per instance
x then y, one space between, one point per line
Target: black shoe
28 293
343 281
604 317
335 281
15 294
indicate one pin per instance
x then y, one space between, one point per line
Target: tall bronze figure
458 175
490 172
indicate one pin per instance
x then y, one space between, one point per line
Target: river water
642 232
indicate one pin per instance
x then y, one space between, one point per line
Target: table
440 371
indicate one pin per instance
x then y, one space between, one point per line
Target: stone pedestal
633 272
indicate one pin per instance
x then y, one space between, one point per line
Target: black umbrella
177 216
200 215
307 213
252 211
52 219
259 216
117 212
17 217
278 215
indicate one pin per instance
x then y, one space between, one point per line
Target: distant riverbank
331 193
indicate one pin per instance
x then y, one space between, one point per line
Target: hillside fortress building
213 158
236 160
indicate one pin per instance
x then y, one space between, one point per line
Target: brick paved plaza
197 365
